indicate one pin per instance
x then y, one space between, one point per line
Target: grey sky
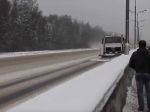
109 14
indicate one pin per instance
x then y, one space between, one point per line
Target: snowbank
80 94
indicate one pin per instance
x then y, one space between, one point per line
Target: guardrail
115 99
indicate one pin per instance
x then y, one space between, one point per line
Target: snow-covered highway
82 93
17 66
20 73
68 81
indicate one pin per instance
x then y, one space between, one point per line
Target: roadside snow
80 94
131 100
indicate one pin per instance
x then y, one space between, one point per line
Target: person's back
140 62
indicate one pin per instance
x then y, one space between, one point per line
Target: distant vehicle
112 45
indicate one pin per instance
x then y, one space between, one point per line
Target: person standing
140 62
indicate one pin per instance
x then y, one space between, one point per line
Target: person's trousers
143 79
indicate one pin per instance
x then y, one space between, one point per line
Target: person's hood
142 51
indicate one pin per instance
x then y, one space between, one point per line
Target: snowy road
23 61
20 66
82 93
25 89
20 76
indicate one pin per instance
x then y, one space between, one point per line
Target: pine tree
4 16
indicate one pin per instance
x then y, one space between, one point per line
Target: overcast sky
109 14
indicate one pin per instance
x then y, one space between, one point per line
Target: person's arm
132 61
149 62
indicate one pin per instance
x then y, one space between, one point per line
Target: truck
112 45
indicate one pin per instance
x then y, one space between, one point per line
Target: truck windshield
113 40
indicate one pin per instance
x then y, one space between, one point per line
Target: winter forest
23 27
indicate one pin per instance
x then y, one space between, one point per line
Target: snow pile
80 94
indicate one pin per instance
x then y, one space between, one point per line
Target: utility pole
127 28
135 42
138 26
138 29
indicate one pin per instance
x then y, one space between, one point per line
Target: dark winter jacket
140 61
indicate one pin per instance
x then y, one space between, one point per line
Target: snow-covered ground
81 94
131 100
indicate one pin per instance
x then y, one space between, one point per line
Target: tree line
24 28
